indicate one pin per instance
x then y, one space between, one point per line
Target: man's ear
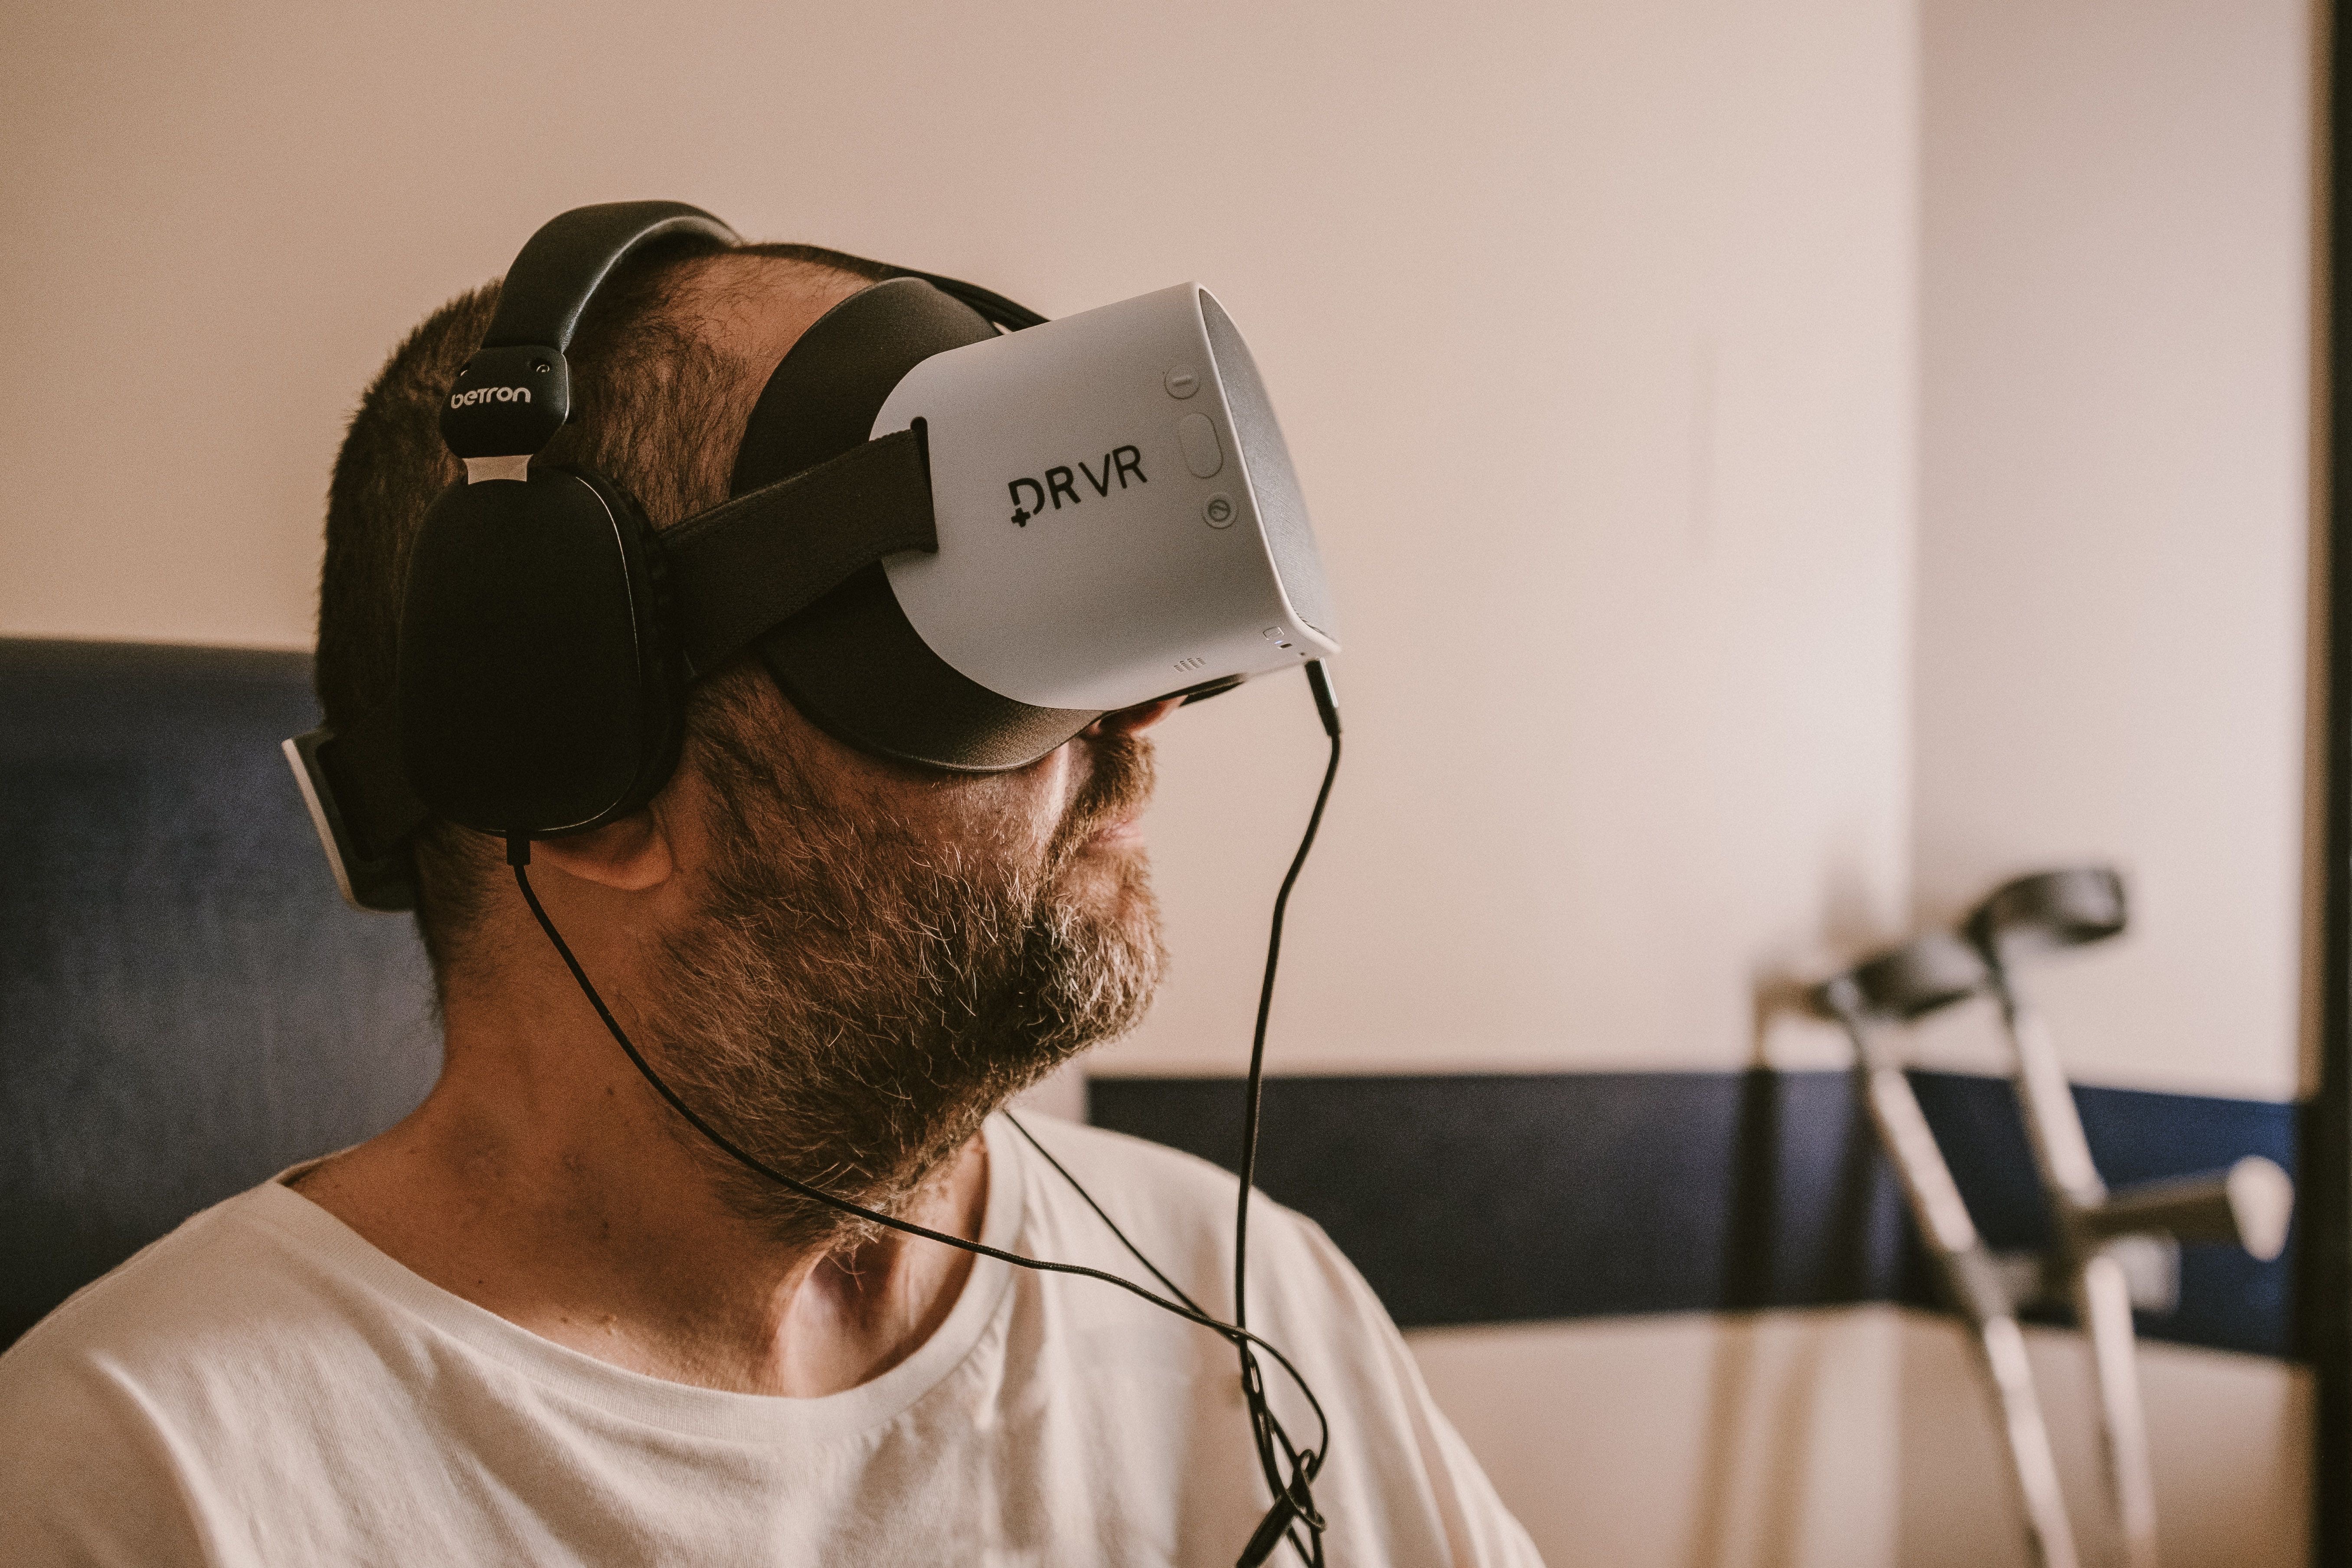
628 856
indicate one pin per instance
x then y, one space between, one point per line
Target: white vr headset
958 535
1117 516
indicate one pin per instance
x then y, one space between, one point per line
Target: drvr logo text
1061 484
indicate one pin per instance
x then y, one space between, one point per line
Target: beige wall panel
1754 1441
1862 1436
1626 557
2229 1438
2114 507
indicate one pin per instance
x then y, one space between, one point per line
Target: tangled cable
1289 1470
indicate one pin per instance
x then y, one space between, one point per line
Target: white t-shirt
263 1388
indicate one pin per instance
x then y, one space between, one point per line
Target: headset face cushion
853 663
538 682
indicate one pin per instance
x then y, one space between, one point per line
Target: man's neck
562 1201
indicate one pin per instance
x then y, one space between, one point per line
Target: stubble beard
851 1002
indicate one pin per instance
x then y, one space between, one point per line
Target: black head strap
762 558
852 664
821 400
992 307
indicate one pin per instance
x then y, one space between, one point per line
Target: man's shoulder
177 1300
126 1412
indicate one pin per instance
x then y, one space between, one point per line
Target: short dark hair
656 407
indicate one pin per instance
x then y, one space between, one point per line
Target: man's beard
850 1002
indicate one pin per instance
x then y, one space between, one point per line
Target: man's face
872 957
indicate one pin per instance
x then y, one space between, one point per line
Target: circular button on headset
1183 381
1219 510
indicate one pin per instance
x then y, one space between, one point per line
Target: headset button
1201 453
1219 510
1183 381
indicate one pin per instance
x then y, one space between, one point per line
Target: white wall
1764 1440
1857 1436
2115 528
2115 506
1618 474
2229 1437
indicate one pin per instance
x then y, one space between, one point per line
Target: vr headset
959 534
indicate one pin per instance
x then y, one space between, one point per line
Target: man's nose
1136 719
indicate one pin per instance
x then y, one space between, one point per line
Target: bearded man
542 1321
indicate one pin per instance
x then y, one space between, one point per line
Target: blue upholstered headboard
185 1005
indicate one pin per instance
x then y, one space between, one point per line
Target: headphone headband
515 393
560 267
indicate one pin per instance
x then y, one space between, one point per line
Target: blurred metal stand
1895 987
2250 1203
2091 1227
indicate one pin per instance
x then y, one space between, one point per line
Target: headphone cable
1294 1501
1252 1389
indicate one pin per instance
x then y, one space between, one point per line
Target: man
542 1321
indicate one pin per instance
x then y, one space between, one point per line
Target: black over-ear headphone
548 632
540 689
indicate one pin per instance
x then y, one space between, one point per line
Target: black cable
1328 708
611 1026
1264 1429
1294 1501
1173 1289
1252 1389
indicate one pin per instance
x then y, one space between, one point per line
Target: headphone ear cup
538 689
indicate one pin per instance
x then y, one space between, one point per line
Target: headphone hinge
517 467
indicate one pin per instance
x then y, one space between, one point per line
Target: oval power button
1201 453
